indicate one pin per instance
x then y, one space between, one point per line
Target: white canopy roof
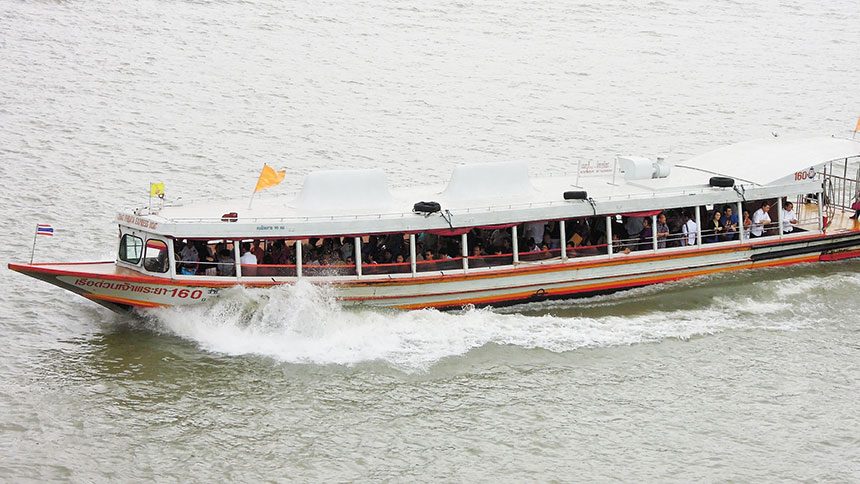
360 201
765 161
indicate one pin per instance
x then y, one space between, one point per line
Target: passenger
535 230
210 264
258 251
760 219
618 247
689 229
747 224
789 218
546 251
477 250
714 228
347 250
189 257
730 224
633 226
662 231
549 241
498 237
226 264
855 205
248 260
646 235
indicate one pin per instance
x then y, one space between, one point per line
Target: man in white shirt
690 229
248 260
760 218
789 218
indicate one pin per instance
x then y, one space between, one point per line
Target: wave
304 323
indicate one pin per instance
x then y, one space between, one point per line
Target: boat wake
305 324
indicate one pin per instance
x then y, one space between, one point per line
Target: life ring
722 181
576 195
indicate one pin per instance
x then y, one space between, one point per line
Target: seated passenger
189 257
618 247
226 264
760 219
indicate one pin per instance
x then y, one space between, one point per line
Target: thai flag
44 229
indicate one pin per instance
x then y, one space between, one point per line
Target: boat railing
439 264
843 180
204 268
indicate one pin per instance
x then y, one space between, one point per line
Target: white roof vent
333 191
489 180
639 168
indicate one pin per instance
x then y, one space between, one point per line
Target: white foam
305 324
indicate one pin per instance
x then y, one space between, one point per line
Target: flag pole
33 252
150 197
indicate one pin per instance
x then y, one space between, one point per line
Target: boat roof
769 160
362 201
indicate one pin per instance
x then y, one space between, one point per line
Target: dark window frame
123 249
165 265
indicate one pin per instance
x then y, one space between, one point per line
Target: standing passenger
789 218
662 231
760 219
248 260
730 225
689 229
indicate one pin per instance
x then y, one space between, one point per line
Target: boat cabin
351 224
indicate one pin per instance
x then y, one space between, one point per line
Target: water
749 377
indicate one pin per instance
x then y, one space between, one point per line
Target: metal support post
699 226
562 237
357 256
237 257
298 258
654 232
609 235
515 244
464 242
412 262
779 203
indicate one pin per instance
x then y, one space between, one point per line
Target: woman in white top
760 218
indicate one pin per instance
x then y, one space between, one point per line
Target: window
155 259
130 249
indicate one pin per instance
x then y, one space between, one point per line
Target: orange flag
857 128
269 178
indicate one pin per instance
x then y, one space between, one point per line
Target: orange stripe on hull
122 300
609 286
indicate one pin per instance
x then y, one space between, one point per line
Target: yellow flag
156 189
269 178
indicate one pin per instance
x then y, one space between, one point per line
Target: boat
493 235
